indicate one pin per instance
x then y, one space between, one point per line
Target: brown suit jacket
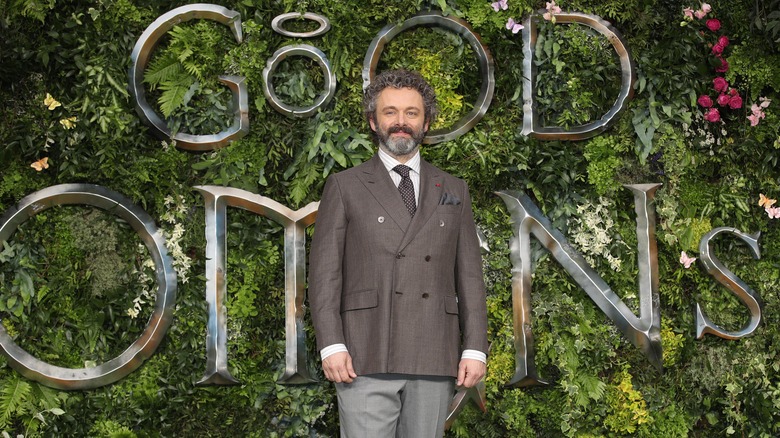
405 295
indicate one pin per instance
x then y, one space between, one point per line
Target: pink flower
717 49
706 8
723 99
686 260
713 24
735 102
723 41
514 26
720 85
724 66
758 111
765 101
713 115
733 92
700 14
688 13
704 101
773 212
552 9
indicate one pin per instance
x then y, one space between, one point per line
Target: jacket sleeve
325 266
472 305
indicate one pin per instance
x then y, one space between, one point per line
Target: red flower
735 102
724 66
733 92
720 85
705 101
712 115
723 41
724 99
717 49
713 24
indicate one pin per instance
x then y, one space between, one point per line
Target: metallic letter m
527 220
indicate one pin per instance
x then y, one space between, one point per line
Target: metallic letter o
327 73
160 320
461 28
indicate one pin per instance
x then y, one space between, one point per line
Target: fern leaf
194 69
173 95
12 399
185 54
161 70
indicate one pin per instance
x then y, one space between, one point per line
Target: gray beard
400 146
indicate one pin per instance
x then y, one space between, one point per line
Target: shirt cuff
337 348
467 354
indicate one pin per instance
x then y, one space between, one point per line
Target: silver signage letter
143 347
142 52
455 25
733 283
327 73
531 121
527 220
217 199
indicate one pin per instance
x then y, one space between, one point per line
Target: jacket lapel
430 193
376 179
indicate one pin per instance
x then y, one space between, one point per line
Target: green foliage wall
75 283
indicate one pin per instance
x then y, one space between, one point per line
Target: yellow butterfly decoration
765 202
41 164
68 123
51 102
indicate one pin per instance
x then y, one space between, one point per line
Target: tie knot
402 170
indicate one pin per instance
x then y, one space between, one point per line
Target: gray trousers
394 406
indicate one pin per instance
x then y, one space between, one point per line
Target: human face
399 121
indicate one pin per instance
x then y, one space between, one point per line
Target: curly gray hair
400 79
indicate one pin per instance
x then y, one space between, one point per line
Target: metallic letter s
725 277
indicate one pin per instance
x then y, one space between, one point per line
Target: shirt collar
390 162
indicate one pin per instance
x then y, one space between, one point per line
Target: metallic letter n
643 332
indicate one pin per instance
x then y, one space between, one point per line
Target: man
396 289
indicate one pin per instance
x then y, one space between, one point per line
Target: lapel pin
380 219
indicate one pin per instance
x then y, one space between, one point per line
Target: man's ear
372 123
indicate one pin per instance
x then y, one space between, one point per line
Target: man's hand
470 371
338 368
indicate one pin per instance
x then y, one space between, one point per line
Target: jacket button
399 255
427 258
425 295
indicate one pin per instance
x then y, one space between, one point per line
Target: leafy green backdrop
75 282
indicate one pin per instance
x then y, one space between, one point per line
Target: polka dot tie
406 188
